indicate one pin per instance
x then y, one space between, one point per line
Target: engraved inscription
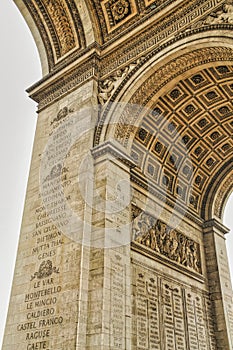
173 312
117 302
169 315
147 311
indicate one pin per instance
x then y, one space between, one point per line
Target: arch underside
177 126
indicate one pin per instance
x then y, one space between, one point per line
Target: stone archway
173 120
126 235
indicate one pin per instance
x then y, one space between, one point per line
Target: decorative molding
128 52
40 24
116 18
65 33
162 30
60 27
222 194
118 12
109 148
222 15
210 225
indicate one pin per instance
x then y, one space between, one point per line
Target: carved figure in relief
106 89
154 237
174 245
188 254
162 231
166 244
225 15
195 260
109 85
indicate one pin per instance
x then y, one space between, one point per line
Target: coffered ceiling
188 135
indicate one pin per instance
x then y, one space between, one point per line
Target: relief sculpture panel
166 241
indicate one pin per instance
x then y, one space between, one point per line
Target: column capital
216 226
112 150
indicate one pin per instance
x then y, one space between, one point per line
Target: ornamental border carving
65 34
44 35
140 12
55 90
222 195
173 25
141 43
58 34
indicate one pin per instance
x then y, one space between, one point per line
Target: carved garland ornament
162 239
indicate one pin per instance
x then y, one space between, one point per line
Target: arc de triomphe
122 243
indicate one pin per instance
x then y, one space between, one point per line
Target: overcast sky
19 69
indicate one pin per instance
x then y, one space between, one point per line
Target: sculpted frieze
162 239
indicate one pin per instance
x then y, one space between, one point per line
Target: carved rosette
120 9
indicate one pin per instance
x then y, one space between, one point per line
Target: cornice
213 224
58 83
113 150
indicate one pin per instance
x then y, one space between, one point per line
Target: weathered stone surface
122 244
